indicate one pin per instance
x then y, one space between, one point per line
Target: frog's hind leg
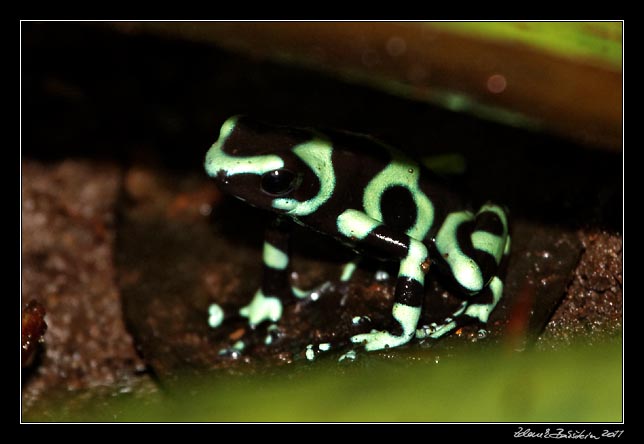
473 245
349 268
489 242
478 308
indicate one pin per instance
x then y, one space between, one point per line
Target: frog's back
390 186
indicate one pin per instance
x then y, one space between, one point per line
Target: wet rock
592 310
67 269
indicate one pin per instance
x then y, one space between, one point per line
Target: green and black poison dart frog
375 199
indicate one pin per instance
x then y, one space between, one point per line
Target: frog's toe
312 350
443 329
435 331
234 351
377 340
312 294
262 308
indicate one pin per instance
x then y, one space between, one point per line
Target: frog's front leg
372 234
275 291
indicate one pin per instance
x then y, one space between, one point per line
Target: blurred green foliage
599 42
491 385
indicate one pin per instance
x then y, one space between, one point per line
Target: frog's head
270 167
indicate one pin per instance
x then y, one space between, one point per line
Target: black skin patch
362 148
356 160
252 138
398 208
483 259
489 221
409 292
242 185
385 243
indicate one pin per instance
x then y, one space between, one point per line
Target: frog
372 197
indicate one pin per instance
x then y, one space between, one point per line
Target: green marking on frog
498 211
217 160
436 331
490 243
274 257
495 245
405 173
411 265
310 354
443 329
317 155
299 293
348 270
350 355
482 311
215 315
464 268
407 316
269 337
310 350
475 310
262 308
462 308
356 224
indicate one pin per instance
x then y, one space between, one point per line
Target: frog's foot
262 308
273 333
313 350
270 308
215 315
219 314
234 351
476 310
250 339
377 340
312 294
406 315
436 331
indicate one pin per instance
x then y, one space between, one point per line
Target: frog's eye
279 182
